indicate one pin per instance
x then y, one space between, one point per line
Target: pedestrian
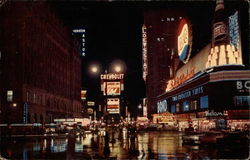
106 150
150 154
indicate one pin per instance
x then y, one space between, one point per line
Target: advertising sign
113 105
184 41
113 88
234 31
9 95
91 103
112 76
83 94
144 52
220 31
90 111
82 32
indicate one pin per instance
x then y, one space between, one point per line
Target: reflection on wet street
114 145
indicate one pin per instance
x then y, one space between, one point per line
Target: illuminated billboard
113 88
184 41
91 103
112 76
112 84
83 94
113 105
234 31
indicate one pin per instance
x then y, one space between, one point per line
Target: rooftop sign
112 76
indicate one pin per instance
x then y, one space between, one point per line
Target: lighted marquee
184 41
113 105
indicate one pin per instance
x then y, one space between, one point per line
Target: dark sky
113 31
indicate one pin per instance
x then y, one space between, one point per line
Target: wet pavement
144 145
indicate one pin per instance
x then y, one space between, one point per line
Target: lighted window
9 95
173 108
204 102
178 107
185 106
193 105
242 101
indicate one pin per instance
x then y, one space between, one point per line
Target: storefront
211 100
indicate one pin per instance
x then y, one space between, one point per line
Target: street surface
143 145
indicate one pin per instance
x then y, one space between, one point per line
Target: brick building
40 76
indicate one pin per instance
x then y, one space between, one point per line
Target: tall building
39 65
159 36
210 89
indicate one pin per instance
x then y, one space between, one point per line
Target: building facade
40 65
158 37
211 88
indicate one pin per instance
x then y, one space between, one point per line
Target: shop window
242 101
204 102
162 106
185 106
193 105
178 107
173 108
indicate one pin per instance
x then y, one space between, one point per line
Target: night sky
113 31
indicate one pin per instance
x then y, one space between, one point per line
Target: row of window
189 105
242 101
201 103
51 102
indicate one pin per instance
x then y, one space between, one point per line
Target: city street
145 145
113 79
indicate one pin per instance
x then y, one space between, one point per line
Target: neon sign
112 76
234 34
173 83
144 52
183 42
81 31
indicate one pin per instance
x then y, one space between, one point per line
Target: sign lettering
112 76
187 94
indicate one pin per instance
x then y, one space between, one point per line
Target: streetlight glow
118 68
94 69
